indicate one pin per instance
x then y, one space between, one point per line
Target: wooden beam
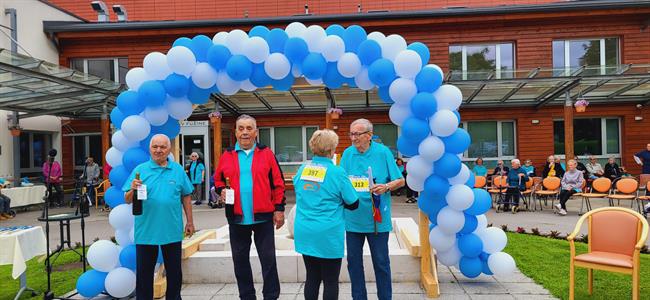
191 245
106 138
216 140
428 269
568 127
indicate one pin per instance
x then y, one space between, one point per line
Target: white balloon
450 221
376 36
120 282
135 128
314 81
155 64
392 45
440 240
448 97
296 71
220 38
332 48
402 90
135 77
482 224
501 264
248 86
295 29
121 143
349 65
399 113
277 66
460 197
415 183
181 60
114 157
408 64
313 36
256 49
157 116
443 123
494 239
363 81
235 41
419 167
121 217
123 237
227 85
103 255
450 257
204 76
462 176
179 108
171 158
432 148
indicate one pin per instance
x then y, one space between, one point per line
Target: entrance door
194 138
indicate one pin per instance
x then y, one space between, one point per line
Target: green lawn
67 270
546 261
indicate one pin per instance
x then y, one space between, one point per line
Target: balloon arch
165 88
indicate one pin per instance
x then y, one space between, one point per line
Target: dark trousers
325 270
59 193
512 196
146 257
240 243
380 262
197 195
564 197
5 204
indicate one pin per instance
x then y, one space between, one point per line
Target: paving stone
454 297
451 288
534 297
202 297
525 288
483 288
201 289
492 297
291 288
515 277
407 288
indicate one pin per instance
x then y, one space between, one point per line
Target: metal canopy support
266 103
558 91
330 97
70 108
532 74
32 100
627 88
220 101
367 99
479 88
295 97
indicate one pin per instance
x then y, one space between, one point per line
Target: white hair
160 135
247 117
516 161
365 123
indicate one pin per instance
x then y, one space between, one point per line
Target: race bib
313 173
360 184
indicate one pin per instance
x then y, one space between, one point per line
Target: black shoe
197 202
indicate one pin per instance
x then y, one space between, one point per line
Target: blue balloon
471 267
471 180
259 78
422 50
350 82
436 185
424 105
171 128
218 56
457 114
447 166
260 31
197 95
470 245
457 142
470 224
296 50
133 157
431 204
200 46
415 130
381 72
428 80
117 117
239 68
484 259
276 40
152 93
176 85
406 146
332 78
482 202
114 196
335 29
128 103
384 94
314 66
353 36
91 283
283 84
183 41
128 257
118 176
369 51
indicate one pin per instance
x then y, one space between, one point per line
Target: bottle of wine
230 193
137 204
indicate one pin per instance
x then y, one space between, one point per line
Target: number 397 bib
313 173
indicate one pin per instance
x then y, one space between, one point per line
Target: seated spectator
517 179
612 170
558 160
581 167
594 168
529 168
5 204
552 168
500 169
571 184
479 169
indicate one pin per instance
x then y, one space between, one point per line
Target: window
84 146
491 140
290 145
593 136
570 55
477 61
106 68
387 135
34 147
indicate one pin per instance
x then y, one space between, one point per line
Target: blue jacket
513 178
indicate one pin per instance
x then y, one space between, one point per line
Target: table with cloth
25 195
20 244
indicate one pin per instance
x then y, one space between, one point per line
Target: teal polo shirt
319 228
479 170
384 169
246 184
161 221
196 168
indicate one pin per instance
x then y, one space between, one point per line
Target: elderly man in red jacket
258 203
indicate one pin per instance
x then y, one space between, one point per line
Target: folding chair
599 189
526 195
551 189
627 188
480 182
498 187
643 188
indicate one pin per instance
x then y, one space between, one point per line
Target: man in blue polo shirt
643 158
360 224
168 192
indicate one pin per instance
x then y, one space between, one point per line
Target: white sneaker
562 212
646 207
557 207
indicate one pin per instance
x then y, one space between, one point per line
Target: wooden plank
191 246
428 270
410 241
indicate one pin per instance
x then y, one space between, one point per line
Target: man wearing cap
53 175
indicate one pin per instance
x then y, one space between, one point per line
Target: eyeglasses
358 134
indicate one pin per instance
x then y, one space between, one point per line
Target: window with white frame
591 136
113 69
477 61
387 135
34 147
84 145
571 55
290 145
491 140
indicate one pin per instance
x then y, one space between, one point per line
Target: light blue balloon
276 40
197 95
171 128
128 103
133 157
384 94
314 66
415 129
283 84
471 267
482 202
431 205
457 114
353 36
436 185
470 245
470 224
259 78
335 29
428 80
424 105
486 268
381 72
296 50
200 46
114 196
471 180
239 68
177 85
183 41
118 176
332 78
260 31
457 142
117 117
91 283
447 166
152 93
422 50
406 146
218 56
369 51
128 257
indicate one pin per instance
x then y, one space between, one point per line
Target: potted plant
581 105
335 112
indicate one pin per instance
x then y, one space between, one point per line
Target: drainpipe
16 140
14 28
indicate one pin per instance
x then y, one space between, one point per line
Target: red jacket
268 183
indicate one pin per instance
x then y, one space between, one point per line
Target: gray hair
247 117
364 122
516 161
160 135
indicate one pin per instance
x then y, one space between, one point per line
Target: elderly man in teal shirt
360 224
168 193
